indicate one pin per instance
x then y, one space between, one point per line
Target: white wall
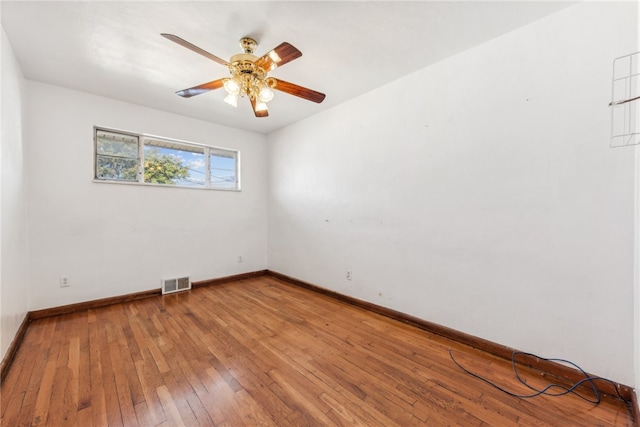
112 239
13 226
479 193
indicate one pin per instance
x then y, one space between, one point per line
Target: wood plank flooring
264 352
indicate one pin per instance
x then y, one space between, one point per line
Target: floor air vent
175 285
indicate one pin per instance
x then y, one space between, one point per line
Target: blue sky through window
223 171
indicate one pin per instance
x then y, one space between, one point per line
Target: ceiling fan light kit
249 75
248 78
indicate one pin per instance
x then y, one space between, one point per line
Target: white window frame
146 139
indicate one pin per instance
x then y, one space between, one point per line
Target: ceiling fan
249 75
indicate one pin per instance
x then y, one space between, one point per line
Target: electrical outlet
239 258
348 274
64 282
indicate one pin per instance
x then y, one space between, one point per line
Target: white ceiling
114 49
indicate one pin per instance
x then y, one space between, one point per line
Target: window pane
118 168
223 167
172 164
116 156
118 145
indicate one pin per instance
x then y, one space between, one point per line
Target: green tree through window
163 168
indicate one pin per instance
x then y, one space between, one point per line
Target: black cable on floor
546 390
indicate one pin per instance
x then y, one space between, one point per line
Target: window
143 159
116 156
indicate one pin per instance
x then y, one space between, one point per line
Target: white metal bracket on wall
625 97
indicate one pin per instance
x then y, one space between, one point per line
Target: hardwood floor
264 352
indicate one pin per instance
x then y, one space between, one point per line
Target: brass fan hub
245 66
243 57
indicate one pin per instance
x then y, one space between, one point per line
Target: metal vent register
175 285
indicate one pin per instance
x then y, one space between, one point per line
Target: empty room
309 213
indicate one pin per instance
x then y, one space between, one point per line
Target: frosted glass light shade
231 100
232 86
266 94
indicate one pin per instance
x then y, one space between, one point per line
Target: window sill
141 184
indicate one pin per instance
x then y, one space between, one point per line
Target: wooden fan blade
200 89
194 48
278 57
262 112
296 90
